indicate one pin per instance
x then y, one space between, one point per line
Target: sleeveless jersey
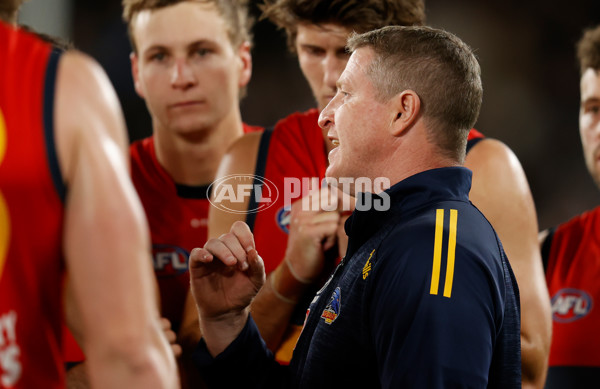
178 218
572 261
31 216
294 156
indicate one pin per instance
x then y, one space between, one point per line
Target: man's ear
407 107
136 76
245 64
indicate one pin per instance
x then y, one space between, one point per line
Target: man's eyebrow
311 46
155 47
592 99
194 44
201 42
341 82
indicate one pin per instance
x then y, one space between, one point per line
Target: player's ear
245 64
406 107
135 73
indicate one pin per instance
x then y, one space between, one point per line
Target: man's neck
193 159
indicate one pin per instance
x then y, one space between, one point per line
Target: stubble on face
589 121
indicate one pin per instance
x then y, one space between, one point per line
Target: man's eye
202 52
594 109
314 50
157 57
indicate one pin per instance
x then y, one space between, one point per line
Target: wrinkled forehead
357 71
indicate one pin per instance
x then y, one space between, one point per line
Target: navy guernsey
425 298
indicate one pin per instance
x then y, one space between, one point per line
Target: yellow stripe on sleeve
451 253
437 251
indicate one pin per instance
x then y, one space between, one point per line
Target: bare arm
239 159
106 239
312 232
270 312
275 303
500 190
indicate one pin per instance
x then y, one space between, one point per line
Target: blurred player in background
66 204
191 63
571 251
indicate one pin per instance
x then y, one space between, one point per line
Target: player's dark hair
355 15
588 50
8 10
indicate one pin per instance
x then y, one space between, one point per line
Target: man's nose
182 76
327 115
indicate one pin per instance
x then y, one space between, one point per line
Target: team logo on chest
367 269
332 310
570 304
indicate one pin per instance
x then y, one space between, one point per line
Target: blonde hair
234 12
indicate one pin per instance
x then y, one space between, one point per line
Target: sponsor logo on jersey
569 305
367 268
169 260
332 310
283 218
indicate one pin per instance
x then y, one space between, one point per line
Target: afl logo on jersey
332 310
283 217
570 304
169 260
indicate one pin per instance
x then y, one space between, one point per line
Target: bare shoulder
241 156
494 164
501 191
86 108
83 81
488 153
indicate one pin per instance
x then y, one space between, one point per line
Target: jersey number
4 219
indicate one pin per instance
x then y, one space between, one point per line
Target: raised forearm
534 360
273 306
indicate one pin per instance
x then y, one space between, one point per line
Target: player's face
357 123
186 67
322 57
589 121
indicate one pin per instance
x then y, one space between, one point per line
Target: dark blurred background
526 51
